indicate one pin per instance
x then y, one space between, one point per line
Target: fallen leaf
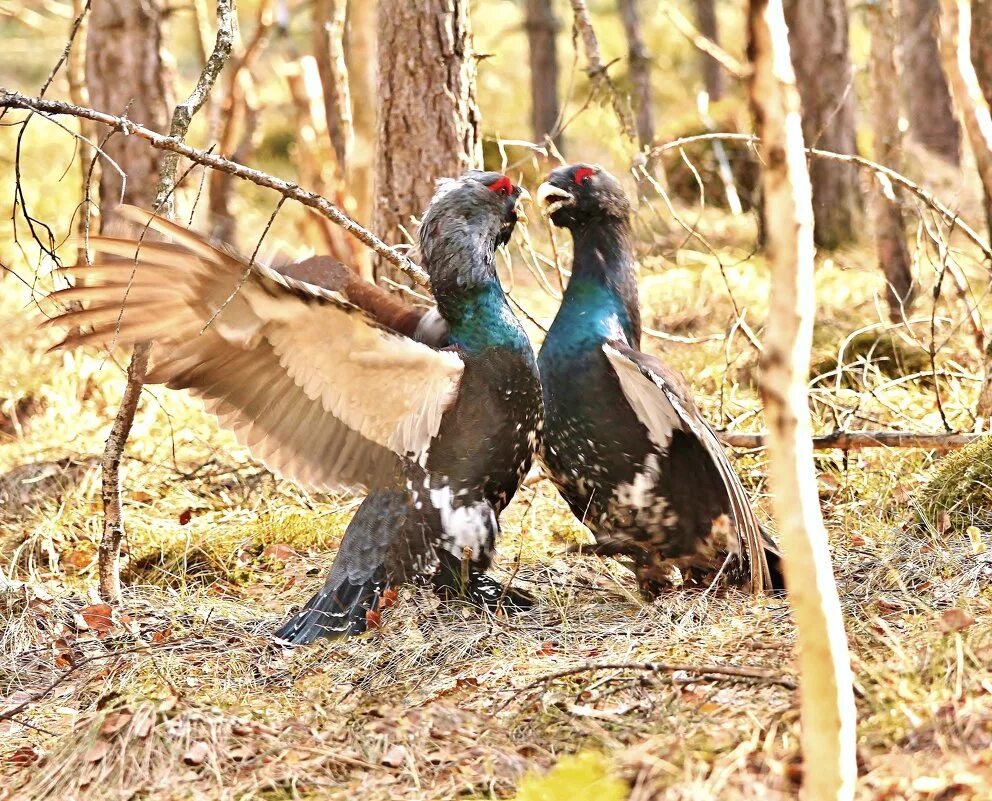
547 648
196 753
394 757
955 620
98 751
140 496
98 617
76 558
943 523
185 516
164 635
23 756
279 552
114 722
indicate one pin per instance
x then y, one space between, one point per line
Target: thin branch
859 440
9 99
705 44
901 180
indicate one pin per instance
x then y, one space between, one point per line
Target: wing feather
662 403
317 388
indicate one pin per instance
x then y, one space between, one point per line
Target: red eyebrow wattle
502 184
582 173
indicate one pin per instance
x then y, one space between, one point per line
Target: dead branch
596 69
108 558
9 99
704 44
860 440
697 672
329 22
900 180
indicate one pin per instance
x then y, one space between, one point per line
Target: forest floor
180 693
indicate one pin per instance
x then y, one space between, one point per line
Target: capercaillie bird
342 386
623 440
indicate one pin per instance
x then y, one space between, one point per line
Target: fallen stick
859 440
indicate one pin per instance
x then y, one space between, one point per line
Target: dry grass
182 696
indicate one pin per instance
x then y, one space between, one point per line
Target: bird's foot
484 592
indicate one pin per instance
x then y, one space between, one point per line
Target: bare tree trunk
976 119
818 38
827 698
328 48
542 37
890 233
360 55
708 26
428 121
981 56
928 100
124 56
124 73
640 72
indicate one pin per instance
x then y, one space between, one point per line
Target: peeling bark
827 698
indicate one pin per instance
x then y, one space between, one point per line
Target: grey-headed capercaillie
623 440
338 385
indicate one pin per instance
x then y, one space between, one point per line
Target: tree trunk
708 26
890 233
640 72
328 48
981 57
542 38
976 119
928 100
124 73
827 698
818 39
428 120
360 56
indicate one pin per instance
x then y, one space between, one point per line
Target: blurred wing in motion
316 386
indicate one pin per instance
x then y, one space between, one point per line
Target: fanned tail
334 612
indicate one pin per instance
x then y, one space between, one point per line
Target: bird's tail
341 610
356 590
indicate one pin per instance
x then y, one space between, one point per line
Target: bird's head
474 213
579 194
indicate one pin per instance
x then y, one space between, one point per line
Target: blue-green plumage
622 439
439 519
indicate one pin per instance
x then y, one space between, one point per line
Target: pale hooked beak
523 197
550 198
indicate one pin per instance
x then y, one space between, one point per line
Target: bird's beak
518 205
550 198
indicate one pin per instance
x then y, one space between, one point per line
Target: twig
597 70
700 672
897 178
705 44
859 440
9 99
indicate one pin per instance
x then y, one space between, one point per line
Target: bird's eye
583 174
501 186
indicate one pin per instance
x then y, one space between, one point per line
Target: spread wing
662 401
317 388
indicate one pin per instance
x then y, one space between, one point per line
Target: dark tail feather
334 612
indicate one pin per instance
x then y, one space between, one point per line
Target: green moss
961 487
